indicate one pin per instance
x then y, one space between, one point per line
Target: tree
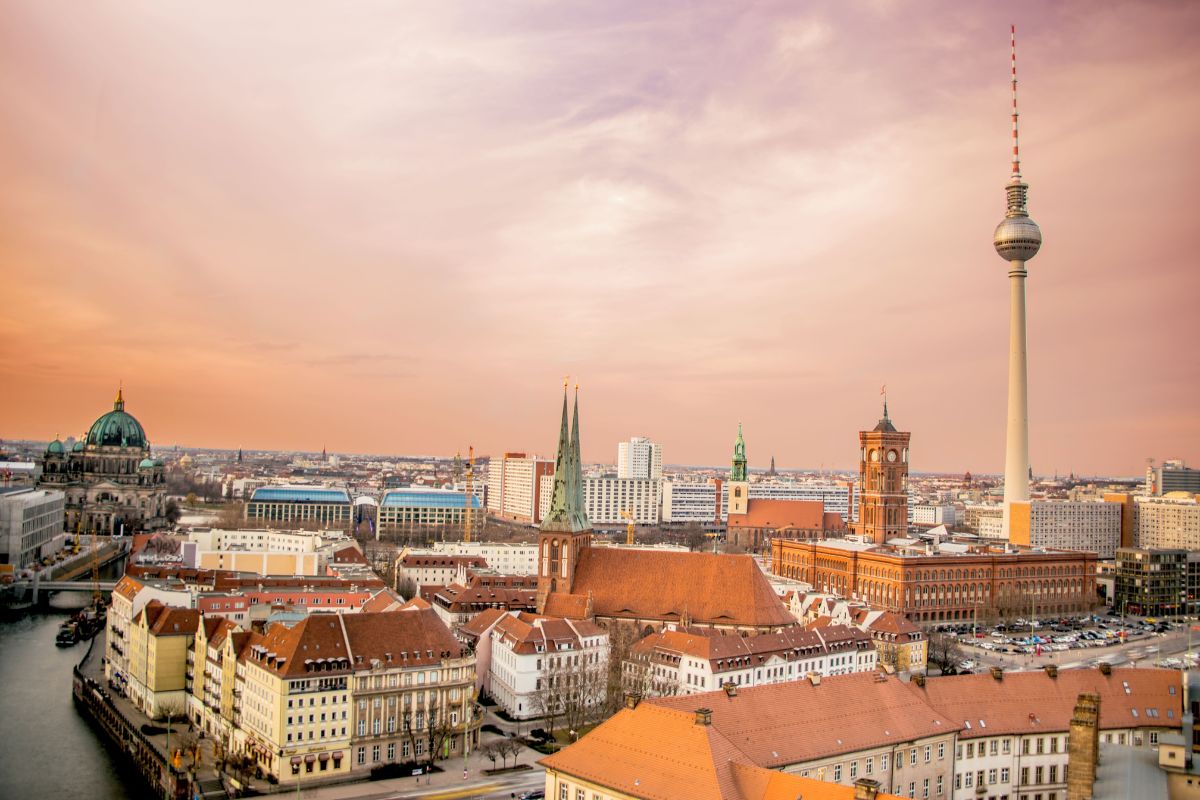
511 747
407 588
492 750
944 651
172 512
439 729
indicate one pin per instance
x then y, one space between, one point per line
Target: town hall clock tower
882 482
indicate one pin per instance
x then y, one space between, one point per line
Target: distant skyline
391 228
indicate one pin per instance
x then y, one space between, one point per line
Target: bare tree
944 651
511 747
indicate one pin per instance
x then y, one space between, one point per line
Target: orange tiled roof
1024 702
776 514
653 752
727 653
787 723
756 783
666 585
176 622
128 587
482 622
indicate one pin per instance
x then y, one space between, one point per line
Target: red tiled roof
1023 702
176 622
666 585
787 723
776 514
727 653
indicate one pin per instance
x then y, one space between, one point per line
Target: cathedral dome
78 446
55 448
146 463
117 428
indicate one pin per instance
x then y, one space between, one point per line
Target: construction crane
468 518
629 525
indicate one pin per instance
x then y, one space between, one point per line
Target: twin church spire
567 508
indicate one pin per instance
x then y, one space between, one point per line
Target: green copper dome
78 446
55 448
146 463
117 428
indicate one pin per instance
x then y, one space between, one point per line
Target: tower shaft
1016 460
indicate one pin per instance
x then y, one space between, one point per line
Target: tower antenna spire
1016 162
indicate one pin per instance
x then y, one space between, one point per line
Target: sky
395 227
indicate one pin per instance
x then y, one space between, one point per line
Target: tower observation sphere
1017 237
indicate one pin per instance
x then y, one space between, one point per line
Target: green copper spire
739 457
566 501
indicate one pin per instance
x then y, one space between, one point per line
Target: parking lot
1073 643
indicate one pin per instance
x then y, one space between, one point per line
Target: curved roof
299 494
55 448
428 498
146 463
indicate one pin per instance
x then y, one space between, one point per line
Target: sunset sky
394 227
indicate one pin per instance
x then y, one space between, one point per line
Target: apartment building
607 499
160 640
507 559
435 569
1067 525
700 503
514 486
31 525
541 664
128 598
933 739
639 458
699 660
333 694
1166 523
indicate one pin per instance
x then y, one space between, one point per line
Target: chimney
815 677
918 679
865 789
1083 748
998 673
1052 670
730 689
632 699
704 716
1105 668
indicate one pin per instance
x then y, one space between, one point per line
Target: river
47 749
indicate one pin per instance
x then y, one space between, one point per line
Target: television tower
1017 239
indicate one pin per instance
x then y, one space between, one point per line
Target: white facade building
514 483
639 458
929 514
606 498
538 661
685 502
1168 523
504 558
674 662
31 525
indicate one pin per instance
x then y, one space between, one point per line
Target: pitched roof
650 584
128 587
653 752
776 514
756 783
482 622
383 600
786 723
176 622
737 652
349 555
411 638
1023 702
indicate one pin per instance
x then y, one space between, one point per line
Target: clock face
874 455
891 455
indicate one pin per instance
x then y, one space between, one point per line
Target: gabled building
699 660
160 643
540 665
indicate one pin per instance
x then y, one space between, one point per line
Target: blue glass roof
299 494
427 498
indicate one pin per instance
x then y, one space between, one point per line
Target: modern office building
1153 583
514 484
420 507
1067 525
31 525
293 505
639 458
1168 522
707 502
1172 476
